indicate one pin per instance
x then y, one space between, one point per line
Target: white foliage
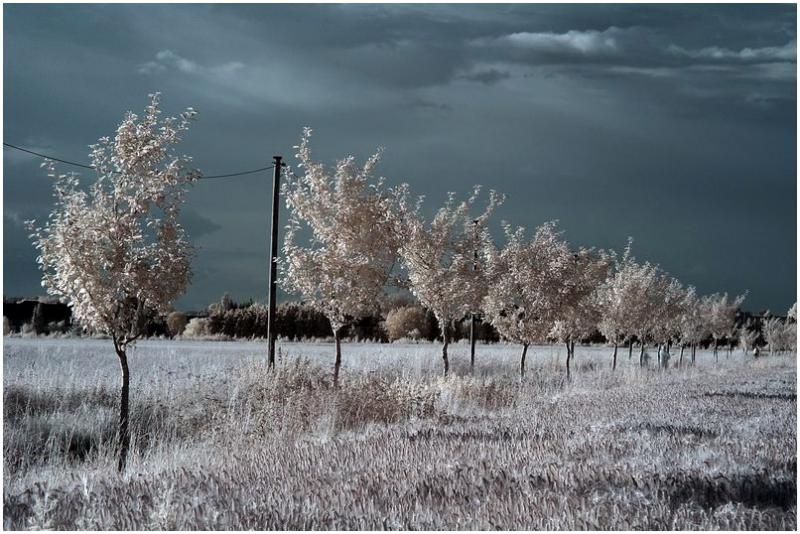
440 257
693 324
672 298
526 282
748 336
775 331
721 314
343 271
791 328
579 310
117 250
630 298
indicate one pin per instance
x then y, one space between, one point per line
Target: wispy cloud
167 60
787 52
587 43
552 46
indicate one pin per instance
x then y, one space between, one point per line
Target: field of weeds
220 443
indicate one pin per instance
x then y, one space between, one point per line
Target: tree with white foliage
692 324
721 318
791 328
117 251
748 336
774 331
671 299
439 258
526 282
614 301
579 310
343 270
629 301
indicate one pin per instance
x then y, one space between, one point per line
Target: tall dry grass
396 448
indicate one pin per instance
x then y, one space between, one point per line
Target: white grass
220 443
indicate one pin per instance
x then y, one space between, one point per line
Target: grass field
220 443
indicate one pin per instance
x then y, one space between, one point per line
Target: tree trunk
641 354
472 338
446 338
680 360
716 355
522 360
614 365
659 355
338 362
694 351
569 356
124 411
630 350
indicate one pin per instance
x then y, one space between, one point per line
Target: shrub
176 322
401 322
197 327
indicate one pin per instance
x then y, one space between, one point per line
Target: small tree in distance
721 316
692 325
439 258
343 270
116 252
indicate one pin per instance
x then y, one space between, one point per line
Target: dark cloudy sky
672 124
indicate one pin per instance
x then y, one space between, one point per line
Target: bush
401 322
176 322
197 327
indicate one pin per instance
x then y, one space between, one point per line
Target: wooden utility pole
273 262
473 318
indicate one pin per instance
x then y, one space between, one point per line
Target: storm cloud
672 124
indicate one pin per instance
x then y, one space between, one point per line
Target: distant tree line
228 319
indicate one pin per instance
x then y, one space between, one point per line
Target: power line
9 145
237 173
229 175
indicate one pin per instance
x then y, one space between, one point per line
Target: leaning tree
116 251
343 269
440 258
526 279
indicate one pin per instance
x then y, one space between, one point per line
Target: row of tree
116 253
366 236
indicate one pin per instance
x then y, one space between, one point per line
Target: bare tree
343 270
117 251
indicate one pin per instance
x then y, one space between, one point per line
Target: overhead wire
81 165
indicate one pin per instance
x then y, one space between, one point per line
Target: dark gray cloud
674 124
